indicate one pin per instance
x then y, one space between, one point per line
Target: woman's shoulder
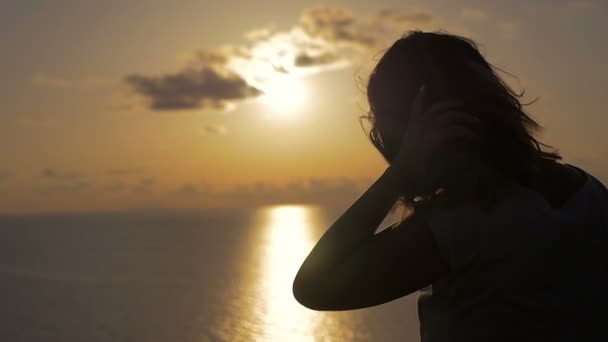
569 189
556 185
589 181
559 183
567 193
461 228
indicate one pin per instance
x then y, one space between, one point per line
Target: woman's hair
452 68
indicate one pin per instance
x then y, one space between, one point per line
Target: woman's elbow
309 295
302 294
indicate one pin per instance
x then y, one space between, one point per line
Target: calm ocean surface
222 275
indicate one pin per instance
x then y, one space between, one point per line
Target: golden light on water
288 241
284 235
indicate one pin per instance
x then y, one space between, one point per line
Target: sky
116 105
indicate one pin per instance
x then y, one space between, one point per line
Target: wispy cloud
417 18
124 171
214 129
206 84
307 59
53 174
116 186
145 186
190 190
314 190
323 38
334 25
474 14
60 181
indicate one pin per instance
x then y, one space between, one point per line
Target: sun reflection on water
288 241
263 307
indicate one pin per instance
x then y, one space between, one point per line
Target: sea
175 276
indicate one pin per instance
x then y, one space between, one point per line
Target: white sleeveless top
523 271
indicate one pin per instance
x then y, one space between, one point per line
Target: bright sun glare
285 95
289 230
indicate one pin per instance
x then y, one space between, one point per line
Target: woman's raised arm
351 267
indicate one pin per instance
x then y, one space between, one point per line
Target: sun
284 95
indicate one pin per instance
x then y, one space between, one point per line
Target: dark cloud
60 175
312 191
148 181
187 190
190 190
474 14
192 89
338 25
145 186
322 36
214 129
280 69
398 16
306 59
124 171
315 191
117 186
334 24
261 33
210 58
340 186
205 84
64 181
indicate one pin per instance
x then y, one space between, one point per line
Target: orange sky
108 105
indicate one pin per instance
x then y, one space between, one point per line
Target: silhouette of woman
505 242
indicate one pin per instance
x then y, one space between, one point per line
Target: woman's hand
427 129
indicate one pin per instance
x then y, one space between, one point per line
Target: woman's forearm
358 223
